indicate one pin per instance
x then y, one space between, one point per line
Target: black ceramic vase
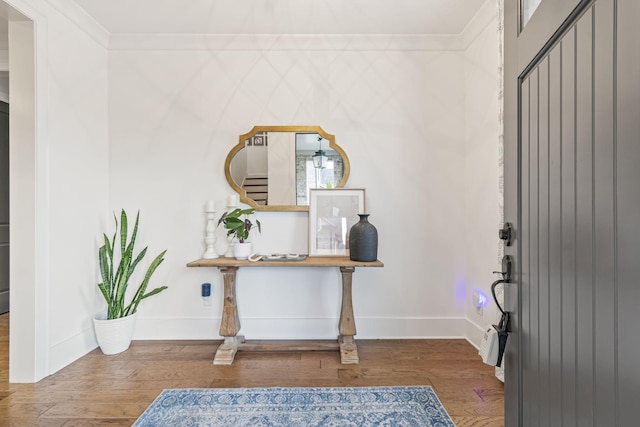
363 240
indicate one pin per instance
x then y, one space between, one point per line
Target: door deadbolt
506 233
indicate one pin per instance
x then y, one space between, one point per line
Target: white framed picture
332 213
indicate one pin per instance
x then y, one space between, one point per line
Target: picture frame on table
332 213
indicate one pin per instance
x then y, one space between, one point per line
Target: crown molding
84 21
284 42
486 15
39 11
277 42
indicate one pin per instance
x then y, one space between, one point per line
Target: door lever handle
507 265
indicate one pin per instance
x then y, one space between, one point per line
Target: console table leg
227 350
347 325
230 322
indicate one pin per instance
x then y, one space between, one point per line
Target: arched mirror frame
301 129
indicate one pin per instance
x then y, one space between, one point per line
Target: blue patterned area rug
293 407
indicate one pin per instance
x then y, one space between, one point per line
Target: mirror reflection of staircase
256 188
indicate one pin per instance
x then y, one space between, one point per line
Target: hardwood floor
100 390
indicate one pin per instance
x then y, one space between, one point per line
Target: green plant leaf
232 223
153 292
123 231
138 259
104 265
133 235
115 281
237 227
104 289
133 307
221 220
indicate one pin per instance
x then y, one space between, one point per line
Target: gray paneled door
4 207
572 187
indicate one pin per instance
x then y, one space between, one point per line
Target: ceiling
277 16
282 16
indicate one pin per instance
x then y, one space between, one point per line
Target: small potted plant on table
239 228
114 329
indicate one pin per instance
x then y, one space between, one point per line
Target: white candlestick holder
210 235
230 242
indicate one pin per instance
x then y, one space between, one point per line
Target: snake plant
115 279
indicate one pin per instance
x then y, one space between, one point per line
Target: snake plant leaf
115 233
116 280
133 234
124 277
107 246
123 231
153 292
104 265
104 289
139 296
138 258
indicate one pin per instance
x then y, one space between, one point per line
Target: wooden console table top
307 262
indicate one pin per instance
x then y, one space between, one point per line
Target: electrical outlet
478 302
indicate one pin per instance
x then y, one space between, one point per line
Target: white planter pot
114 336
242 250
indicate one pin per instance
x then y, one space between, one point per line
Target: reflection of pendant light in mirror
320 159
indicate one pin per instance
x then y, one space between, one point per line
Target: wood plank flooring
100 390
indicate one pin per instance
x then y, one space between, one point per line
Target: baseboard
71 349
302 328
64 353
473 333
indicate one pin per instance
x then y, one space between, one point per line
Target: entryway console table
230 322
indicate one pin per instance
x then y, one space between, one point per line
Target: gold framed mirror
272 168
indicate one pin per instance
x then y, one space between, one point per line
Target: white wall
481 203
176 107
397 109
78 185
59 187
